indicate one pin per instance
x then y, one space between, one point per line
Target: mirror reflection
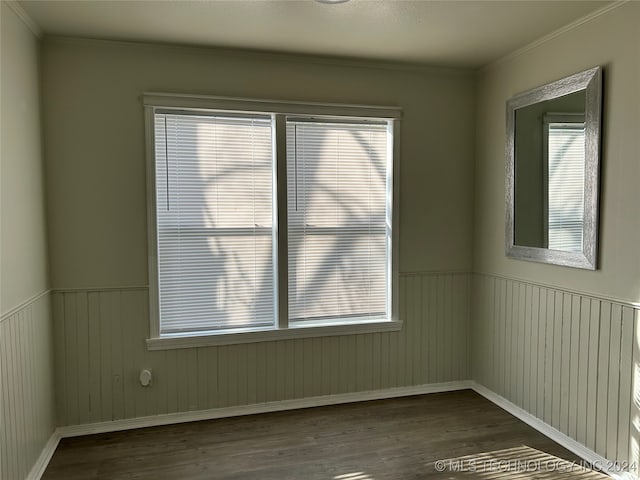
549 173
552 171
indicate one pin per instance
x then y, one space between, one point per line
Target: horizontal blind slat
566 144
214 222
337 220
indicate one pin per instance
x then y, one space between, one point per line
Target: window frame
547 120
279 111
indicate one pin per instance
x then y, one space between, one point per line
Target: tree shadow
335 268
228 275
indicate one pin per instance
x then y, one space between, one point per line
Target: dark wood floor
405 438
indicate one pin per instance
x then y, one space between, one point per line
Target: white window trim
279 110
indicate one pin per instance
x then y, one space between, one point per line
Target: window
269 220
337 210
565 150
214 222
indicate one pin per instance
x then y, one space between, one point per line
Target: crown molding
556 33
24 16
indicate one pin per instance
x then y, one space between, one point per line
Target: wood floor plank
401 438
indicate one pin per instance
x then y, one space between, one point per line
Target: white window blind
566 143
214 214
338 181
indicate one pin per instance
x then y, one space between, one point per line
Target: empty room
319 239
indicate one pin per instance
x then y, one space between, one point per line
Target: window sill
170 342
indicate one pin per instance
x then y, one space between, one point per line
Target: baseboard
557 436
319 401
45 457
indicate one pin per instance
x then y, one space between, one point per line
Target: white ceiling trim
550 36
467 34
24 16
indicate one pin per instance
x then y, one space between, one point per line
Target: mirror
553 158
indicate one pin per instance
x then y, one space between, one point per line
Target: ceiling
449 33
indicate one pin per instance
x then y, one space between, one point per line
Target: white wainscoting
567 358
564 362
100 348
27 414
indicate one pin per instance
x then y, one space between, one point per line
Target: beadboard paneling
100 348
564 357
27 414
